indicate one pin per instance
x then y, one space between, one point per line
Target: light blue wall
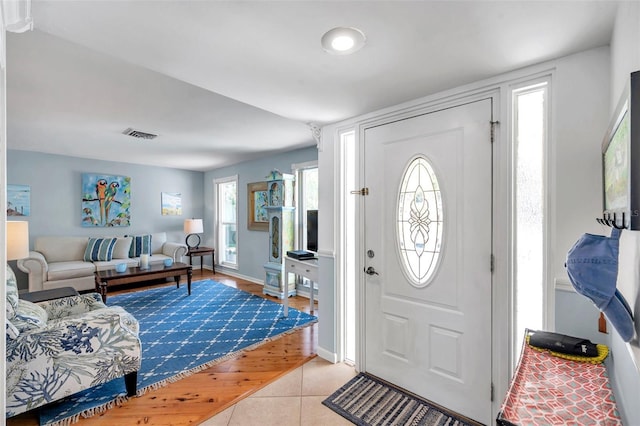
252 245
55 182
56 210
328 326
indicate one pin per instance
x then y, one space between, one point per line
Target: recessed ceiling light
343 40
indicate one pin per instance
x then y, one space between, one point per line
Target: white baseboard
306 293
563 284
326 253
332 357
233 273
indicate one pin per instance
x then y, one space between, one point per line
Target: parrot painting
110 194
101 189
106 200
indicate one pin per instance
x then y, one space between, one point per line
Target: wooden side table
201 252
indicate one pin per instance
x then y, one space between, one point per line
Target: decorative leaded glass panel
420 221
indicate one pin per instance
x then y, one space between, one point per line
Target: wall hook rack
611 220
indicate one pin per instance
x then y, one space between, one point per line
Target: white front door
428 242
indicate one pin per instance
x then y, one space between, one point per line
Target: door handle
371 271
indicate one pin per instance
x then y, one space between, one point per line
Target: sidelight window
529 118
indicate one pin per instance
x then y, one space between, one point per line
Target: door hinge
361 191
493 129
493 262
492 392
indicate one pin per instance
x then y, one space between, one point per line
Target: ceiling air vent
138 134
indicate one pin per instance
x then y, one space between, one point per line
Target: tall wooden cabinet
281 214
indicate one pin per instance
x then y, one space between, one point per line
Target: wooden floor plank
195 398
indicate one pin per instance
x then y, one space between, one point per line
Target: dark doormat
368 401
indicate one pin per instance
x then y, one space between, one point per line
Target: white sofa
58 261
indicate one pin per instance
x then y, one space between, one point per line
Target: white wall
580 122
328 215
574 315
580 115
625 48
580 108
625 370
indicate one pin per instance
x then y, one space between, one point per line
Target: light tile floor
293 400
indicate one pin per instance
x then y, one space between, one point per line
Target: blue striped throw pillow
140 244
99 249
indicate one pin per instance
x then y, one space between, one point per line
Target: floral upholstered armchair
60 347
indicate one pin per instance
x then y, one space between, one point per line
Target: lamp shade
193 226
17 240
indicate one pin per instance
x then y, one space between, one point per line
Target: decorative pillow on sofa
122 247
140 244
29 316
99 249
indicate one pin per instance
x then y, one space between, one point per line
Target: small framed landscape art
106 200
171 204
256 206
18 200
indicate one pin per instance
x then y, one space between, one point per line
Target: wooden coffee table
110 278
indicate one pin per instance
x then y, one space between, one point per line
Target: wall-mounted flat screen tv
621 161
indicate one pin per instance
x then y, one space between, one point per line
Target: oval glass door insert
420 221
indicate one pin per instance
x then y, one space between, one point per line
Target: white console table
304 268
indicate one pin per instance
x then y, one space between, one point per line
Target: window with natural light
529 142
227 219
307 184
348 235
306 202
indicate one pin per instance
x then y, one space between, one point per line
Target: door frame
501 166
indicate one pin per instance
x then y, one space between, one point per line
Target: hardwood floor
200 396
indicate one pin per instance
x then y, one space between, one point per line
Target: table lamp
192 227
17 242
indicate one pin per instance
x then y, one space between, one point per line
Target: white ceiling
227 81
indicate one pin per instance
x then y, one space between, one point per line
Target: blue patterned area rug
182 335
368 401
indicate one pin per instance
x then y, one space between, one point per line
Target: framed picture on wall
171 203
256 206
106 200
18 200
